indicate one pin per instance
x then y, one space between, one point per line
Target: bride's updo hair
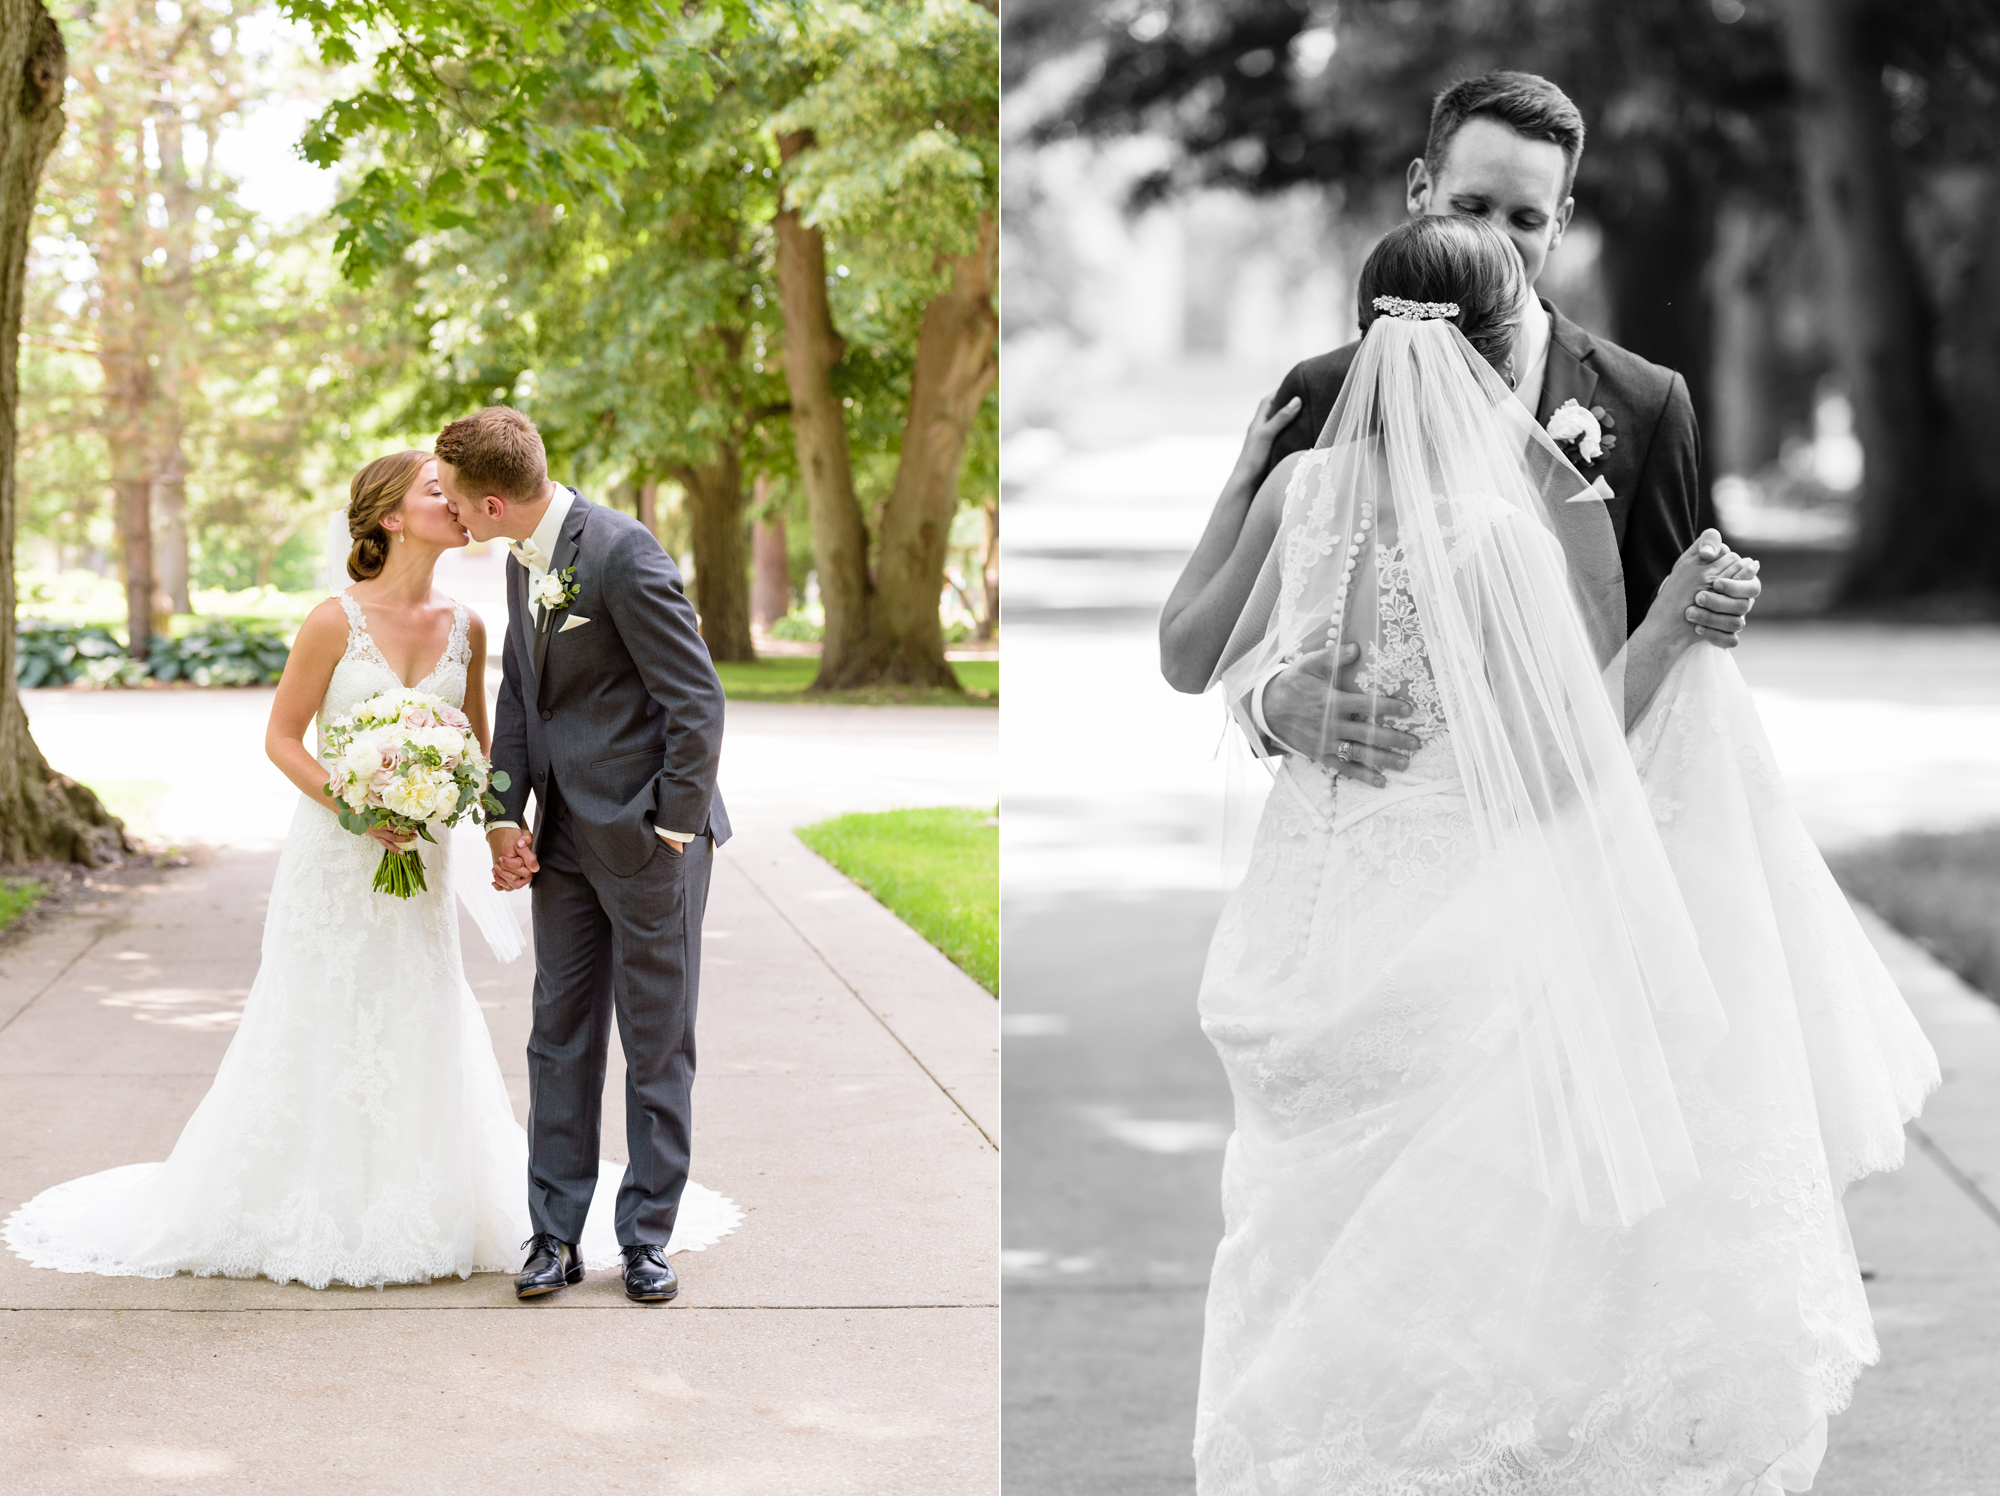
1447 258
373 496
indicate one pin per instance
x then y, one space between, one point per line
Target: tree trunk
721 583
1745 436
819 434
649 507
957 362
1914 520
771 570
42 814
989 574
1659 232
1971 372
170 326
169 517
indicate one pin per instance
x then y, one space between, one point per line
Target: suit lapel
1571 373
567 545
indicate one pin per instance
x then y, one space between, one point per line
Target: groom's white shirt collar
1531 355
544 541
549 530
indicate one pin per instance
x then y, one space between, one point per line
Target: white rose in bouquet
409 761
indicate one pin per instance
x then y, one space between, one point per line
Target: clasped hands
1710 590
514 861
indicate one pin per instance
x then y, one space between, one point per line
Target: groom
1504 147
611 711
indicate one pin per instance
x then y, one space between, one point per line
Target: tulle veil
1599 994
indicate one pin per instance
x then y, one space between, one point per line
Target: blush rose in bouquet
408 761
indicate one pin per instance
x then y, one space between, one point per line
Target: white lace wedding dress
358 1130
1387 1317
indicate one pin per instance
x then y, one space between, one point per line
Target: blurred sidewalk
842 1339
1113 877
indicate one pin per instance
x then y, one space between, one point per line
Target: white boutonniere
1584 435
556 591
1573 426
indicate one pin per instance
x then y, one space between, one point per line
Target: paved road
1116 1109
844 1338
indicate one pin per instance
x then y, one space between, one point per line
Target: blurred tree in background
186 360
1831 159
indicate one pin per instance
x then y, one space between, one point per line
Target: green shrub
794 627
54 654
115 672
220 652
215 652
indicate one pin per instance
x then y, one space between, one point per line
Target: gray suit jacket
1651 471
620 716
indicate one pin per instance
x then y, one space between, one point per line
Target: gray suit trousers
605 946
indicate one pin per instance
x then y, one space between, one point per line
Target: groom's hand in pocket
1312 705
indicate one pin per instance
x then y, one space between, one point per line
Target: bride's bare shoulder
325 627
1269 505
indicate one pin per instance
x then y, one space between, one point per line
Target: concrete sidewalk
844 1338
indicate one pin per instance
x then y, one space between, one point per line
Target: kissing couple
358 1129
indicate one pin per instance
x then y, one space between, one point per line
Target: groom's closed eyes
1531 220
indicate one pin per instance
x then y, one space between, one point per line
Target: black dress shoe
551 1264
649 1279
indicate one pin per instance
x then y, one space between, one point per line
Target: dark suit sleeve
1304 428
510 721
656 622
1662 523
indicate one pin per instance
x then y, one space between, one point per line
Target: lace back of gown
1392 1315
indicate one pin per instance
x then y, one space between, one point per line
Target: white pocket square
1600 488
577 620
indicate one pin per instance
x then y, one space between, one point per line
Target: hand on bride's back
1257 441
1312 704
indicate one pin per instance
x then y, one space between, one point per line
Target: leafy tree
894 150
42 813
636 330
886 121
136 188
202 360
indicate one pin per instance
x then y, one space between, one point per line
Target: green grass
937 870
1940 889
785 678
17 897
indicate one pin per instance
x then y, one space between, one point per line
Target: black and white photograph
1501 789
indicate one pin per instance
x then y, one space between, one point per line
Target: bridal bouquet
409 761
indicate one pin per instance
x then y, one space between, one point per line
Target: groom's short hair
1524 103
496 451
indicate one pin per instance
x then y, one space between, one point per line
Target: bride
1553 1051
358 1130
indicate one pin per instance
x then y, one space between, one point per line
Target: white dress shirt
534 554
1531 355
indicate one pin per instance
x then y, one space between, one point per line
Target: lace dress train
1390 1315
358 1130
